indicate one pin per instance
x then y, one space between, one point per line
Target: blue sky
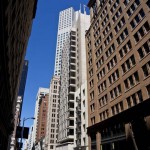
41 49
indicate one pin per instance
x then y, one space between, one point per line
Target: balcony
72 68
72 61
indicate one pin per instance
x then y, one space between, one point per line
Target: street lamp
24 119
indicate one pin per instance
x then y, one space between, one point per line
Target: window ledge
145 78
145 56
132 87
128 70
115 98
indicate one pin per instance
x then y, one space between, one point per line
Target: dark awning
138 111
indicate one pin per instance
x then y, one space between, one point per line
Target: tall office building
73 75
65 24
15 27
52 116
23 78
118 56
39 127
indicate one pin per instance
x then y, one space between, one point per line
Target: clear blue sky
41 49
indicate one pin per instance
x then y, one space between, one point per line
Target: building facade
73 75
118 48
42 117
52 116
65 24
42 94
30 140
15 27
19 103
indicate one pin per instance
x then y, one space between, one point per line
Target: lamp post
24 119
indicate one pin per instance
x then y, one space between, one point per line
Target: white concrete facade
41 92
66 18
52 116
81 123
73 75
81 106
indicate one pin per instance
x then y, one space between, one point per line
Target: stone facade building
118 56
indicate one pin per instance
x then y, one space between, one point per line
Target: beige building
118 56
52 114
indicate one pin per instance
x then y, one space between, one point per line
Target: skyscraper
66 18
23 81
118 56
73 75
15 27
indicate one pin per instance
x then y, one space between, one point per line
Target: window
148 3
122 36
114 93
100 62
126 2
89 53
113 77
144 50
91 83
137 19
92 95
102 87
117 108
133 7
98 52
101 74
128 64
97 32
134 99
98 42
108 39
117 15
94 9
110 50
103 13
112 63
120 25
125 49
148 90
90 62
107 29
103 101
92 107
104 115
91 73
141 32
146 69
104 22
131 81
93 120
116 4
95 25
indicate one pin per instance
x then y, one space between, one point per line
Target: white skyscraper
66 18
73 80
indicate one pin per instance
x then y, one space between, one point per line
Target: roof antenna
80 7
84 9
